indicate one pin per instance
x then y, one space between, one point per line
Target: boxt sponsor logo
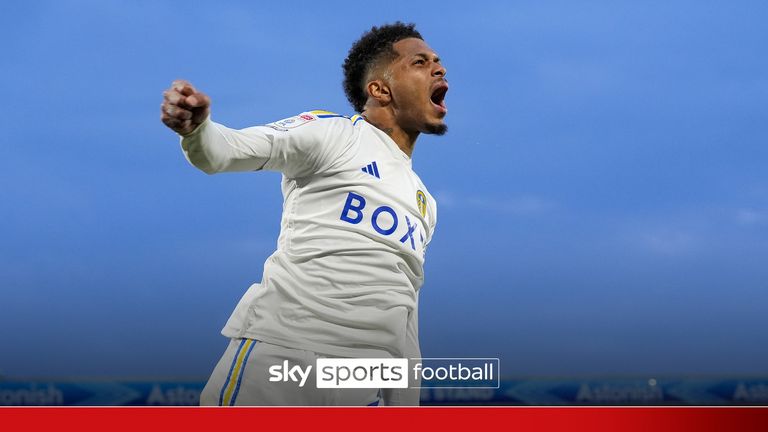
353 213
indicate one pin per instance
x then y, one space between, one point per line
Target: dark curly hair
366 52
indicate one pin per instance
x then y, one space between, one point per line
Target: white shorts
241 377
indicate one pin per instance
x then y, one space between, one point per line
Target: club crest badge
421 201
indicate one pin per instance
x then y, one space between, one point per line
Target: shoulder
329 117
316 119
323 114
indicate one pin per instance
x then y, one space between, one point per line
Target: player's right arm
301 148
207 145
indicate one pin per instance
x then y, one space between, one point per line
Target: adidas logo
372 169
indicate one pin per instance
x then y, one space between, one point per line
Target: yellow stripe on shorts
235 377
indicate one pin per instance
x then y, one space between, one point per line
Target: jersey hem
329 350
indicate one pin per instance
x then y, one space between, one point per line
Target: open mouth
438 97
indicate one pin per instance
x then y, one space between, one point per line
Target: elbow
208 170
204 166
199 161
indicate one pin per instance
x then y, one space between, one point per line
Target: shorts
242 377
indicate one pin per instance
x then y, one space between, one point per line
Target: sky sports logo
392 373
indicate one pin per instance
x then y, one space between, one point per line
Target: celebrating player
345 278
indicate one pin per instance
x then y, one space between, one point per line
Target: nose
439 71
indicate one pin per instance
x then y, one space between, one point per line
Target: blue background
603 191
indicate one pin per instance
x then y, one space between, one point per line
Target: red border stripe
645 419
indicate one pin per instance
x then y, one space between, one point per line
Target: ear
378 90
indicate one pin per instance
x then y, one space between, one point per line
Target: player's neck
381 120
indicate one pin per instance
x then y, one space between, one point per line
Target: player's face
418 87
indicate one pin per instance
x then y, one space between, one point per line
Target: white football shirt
356 221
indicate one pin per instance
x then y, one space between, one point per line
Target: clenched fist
183 107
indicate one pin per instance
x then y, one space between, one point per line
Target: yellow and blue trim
355 118
324 114
328 114
231 386
378 399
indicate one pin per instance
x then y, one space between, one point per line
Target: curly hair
372 46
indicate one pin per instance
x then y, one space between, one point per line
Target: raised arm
297 146
207 145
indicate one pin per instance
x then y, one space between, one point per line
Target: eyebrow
425 56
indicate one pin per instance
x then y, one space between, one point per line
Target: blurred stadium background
641 391
603 193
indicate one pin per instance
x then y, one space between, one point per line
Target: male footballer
344 281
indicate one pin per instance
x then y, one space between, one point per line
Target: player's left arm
412 350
